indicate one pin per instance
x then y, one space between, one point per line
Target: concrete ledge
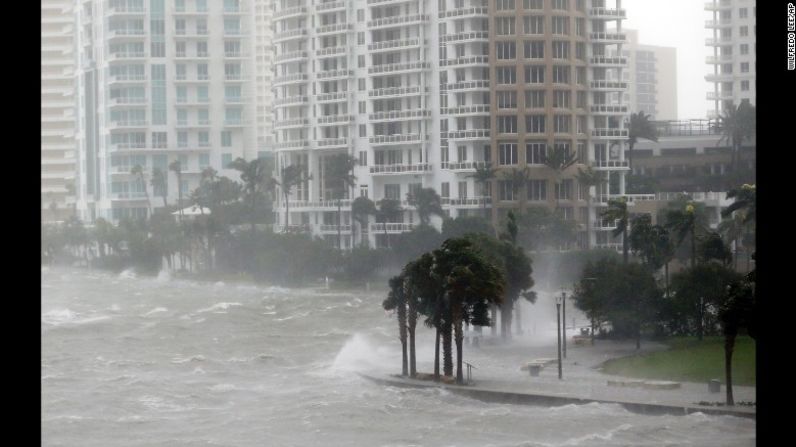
506 397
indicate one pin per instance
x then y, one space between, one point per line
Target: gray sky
679 24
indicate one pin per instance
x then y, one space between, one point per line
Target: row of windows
506 26
535 152
510 5
535 74
536 190
538 124
536 99
534 49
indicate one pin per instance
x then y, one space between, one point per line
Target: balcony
399 115
125 10
466 202
399 20
294 145
293 228
290 34
332 97
296 122
609 86
462 166
719 59
606 165
331 143
327 228
198 79
334 28
125 56
128 124
720 77
128 196
329 6
400 169
291 100
295 11
395 91
325 204
391 227
608 38
291 57
718 6
718 41
387 140
477 11
603 109
463 61
330 52
720 96
125 34
392 45
610 134
234 77
334 74
474 110
399 68
476 85
335 120
296 78
609 62
473 135
388 2
607 13
471 36
718 23
129 101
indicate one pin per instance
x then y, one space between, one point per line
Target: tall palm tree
340 173
617 212
292 176
138 171
396 300
427 202
737 123
388 210
639 126
176 167
159 184
588 178
745 200
684 223
361 209
255 178
653 244
733 229
483 175
559 159
426 288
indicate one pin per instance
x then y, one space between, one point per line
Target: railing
335 119
292 144
291 55
297 228
465 85
397 20
608 12
318 203
394 91
399 114
386 68
395 139
478 59
609 85
467 35
717 23
608 36
292 122
463 110
602 108
127 78
291 100
467 134
326 228
463 165
466 201
719 59
390 44
602 60
400 168
334 74
611 164
392 227
331 142
334 28
333 96
290 11
695 196
478 10
330 51
289 34
329 5
609 133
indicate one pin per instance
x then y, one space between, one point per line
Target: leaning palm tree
736 125
559 159
617 212
427 202
588 178
483 175
340 173
255 177
361 209
396 300
639 126
159 185
389 209
176 167
685 223
745 200
732 230
292 176
138 171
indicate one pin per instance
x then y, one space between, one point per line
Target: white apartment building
734 53
57 109
264 54
421 93
160 81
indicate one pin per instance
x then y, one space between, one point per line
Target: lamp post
564 320
558 323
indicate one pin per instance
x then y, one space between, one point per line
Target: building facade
652 78
734 46
423 93
160 82
264 54
57 109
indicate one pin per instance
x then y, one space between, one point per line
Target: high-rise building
734 48
57 109
422 93
652 79
264 54
160 82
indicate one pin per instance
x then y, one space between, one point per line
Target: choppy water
161 362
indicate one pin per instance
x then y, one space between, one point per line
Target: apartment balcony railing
718 41
290 34
464 166
603 109
398 20
291 78
290 100
609 246
722 5
395 91
334 28
386 2
293 228
719 59
232 9
611 164
234 55
330 51
235 123
129 101
333 96
113 57
198 78
467 60
296 122
128 196
327 228
234 77
607 13
389 45
234 32
329 6
419 168
466 201
328 143
127 78
299 144
467 36
395 68
128 123
125 10
474 134
479 84
294 11
395 139
602 225
477 11
608 85
399 115
608 37
391 227
475 109
602 61
126 33
720 96
720 77
609 133
721 23
199 9
333 74
335 119
293 55
318 203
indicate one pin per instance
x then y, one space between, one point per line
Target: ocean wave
218 306
156 310
58 316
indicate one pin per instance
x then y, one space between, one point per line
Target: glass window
226 138
226 159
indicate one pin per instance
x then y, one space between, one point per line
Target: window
534 99
360 38
744 31
201 94
505 5
507 124
182 94
201 72
201 26
201 49
504 26
744 86
182 139
534 49
232 48
204 139
361 85
179 26
535 123
180 51
564 190
461 152
560 50
506 50
744 67
360 15
226 159
159 140
392 191
506 75
180 72
535 152
743 13
534 74
507 153
507 100
506 190
560 74
226 138
361 61
363 107
446 190
203 116
462 190
744 48
363 158
533 4
562 123
204 161
363 130
537 190
561 98
560 25
561 4
580 27
533 24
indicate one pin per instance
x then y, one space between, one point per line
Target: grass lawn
688 360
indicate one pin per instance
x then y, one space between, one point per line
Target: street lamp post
564 320
558 323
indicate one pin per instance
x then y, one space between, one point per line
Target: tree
427 289
588 178
138 171
427 202
735 312
653 244
340 173
559 159
684 223
483 175
396 300
462 225
617 212
518 178
696 291
712 247
745 202
292 176
361 209
159 184
539 228
256 179
389 209
737 123
639 126
175 167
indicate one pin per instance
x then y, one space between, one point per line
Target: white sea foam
156 310
164 276
217 307
127 274
58 316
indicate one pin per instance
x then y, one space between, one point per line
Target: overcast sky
679 24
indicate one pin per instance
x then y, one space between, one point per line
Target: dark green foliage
412 244
712 248
458 227
427 202
540 229
696 292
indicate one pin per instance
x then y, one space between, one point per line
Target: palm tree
639 126
483 175
177 169
255 177
138 171
736 125
519 180
396 300
559 159
426 289
340 173
388 210
732 229
427 202
684 223
617 212
653 244
159 183
736 311
292 176
588 178
745 201
361 209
